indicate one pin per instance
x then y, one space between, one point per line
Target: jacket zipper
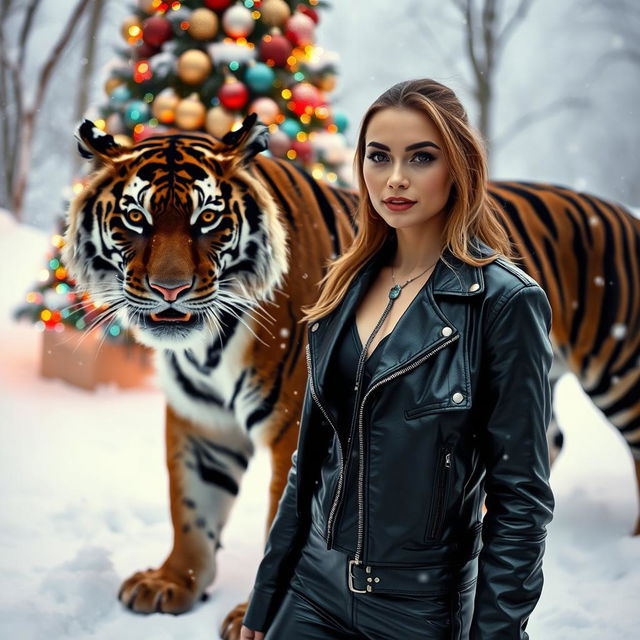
442 490
326 415
338 492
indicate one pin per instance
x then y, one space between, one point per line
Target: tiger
207 248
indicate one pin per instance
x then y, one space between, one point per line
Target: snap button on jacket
455 414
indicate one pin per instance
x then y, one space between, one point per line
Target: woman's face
404 158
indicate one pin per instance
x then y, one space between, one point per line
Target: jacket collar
421 328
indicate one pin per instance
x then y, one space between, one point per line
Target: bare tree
18 118
621 19
88 63
487 27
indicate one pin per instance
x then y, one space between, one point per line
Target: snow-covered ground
84 504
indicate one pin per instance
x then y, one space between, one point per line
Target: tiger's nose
170 291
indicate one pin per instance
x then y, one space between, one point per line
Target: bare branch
4 120
88 63
470 43
447 58
538 115
26 29
29 119
517 17
488 27
45 73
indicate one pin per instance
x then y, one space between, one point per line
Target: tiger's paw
160 591
230 627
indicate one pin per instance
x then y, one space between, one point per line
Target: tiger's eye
207 216
135 216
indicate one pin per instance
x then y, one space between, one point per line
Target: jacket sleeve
514 447
280 557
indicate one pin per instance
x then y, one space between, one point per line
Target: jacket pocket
440 495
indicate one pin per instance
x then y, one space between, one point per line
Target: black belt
411 579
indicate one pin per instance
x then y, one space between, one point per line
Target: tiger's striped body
210 250
585 252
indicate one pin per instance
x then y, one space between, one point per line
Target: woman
428 391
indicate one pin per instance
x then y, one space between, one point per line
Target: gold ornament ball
190 113
147 6
164 106
127 24
203 24
122 140
328 82
275 12
219 121
194 66
111 84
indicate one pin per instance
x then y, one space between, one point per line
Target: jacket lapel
422 327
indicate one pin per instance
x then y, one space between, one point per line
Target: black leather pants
319 605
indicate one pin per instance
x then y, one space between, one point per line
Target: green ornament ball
291 127
260 77
136 112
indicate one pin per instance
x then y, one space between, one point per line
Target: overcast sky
552 56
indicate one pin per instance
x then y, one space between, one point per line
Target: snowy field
85 504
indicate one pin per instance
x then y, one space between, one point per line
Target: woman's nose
397 178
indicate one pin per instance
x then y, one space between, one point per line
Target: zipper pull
447 460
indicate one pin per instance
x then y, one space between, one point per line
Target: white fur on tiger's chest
217 392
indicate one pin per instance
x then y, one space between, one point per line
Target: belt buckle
351 586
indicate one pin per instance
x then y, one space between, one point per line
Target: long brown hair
471 211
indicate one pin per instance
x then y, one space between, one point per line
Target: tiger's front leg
205 467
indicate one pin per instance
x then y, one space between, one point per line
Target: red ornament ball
274 50
156 30
304 150
233 95
217 5
144 51
308 11
305 98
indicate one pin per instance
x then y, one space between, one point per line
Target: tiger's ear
95 143
250 139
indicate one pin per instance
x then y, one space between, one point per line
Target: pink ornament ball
308 11
304 150
300 29
279 143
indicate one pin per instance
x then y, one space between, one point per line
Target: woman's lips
399 206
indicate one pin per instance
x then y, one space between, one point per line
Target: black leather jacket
456 412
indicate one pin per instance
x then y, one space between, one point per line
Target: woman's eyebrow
416 145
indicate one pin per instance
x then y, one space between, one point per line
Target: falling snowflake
619 331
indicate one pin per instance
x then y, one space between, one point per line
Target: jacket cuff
262 608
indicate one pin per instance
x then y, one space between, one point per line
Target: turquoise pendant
394 292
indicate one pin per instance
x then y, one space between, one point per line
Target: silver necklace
394 292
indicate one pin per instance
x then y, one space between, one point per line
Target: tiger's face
175 232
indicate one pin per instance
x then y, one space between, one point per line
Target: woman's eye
426 157
422 156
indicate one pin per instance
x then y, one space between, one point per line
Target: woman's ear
249 140
95 143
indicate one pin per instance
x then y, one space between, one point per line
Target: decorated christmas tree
203 65
53 303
